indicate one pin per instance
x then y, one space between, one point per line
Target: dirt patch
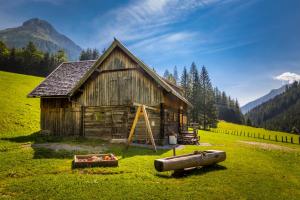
68 147
268 146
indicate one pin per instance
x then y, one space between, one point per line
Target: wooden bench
189 137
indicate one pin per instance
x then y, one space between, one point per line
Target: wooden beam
162 121
148 107
133 125
82 121
115 70
148 127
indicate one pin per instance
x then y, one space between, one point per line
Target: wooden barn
99 98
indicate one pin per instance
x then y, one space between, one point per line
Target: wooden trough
196 159
95 160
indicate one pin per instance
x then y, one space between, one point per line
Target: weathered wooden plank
148 127
134 124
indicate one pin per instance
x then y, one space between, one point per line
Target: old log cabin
99 98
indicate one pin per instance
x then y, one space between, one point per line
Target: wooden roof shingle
63 79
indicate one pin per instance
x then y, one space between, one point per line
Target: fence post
269 137
299 137
254 135
281 138
286 139
276 138
299 140
264 136
258 136
292 140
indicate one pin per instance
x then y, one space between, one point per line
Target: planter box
95 160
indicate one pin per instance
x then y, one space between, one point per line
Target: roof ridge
79 61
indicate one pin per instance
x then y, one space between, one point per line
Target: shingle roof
63 79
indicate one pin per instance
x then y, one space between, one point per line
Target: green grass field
249 172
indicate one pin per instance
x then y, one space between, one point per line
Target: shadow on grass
119 150
125 152
194 171
35 137
44 153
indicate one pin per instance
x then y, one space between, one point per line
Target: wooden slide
196 159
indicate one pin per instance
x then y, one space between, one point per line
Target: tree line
89 54
280 113
228 108
209 104
29 60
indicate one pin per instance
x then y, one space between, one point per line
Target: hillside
18 113
252 170
43 35
273 93
280 113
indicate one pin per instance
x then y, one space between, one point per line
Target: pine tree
95 54
83 55
194 96
89 53
208 112
60 56
46 64
175 74
29 52
249 123
4 53
185 83
12 57
224 99
169 76
217 96
166 74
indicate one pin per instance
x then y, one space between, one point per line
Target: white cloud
146 20
288 76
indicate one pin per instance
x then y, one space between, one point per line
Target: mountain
273 93
280 113
43 35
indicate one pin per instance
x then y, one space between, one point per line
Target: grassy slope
248 173
247 129
18 113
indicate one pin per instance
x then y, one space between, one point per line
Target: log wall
110 122
106 122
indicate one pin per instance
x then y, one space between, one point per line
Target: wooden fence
285 139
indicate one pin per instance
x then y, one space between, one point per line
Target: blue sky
248 46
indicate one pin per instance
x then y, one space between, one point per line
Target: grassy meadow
249 172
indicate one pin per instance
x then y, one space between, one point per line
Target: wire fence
284 139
